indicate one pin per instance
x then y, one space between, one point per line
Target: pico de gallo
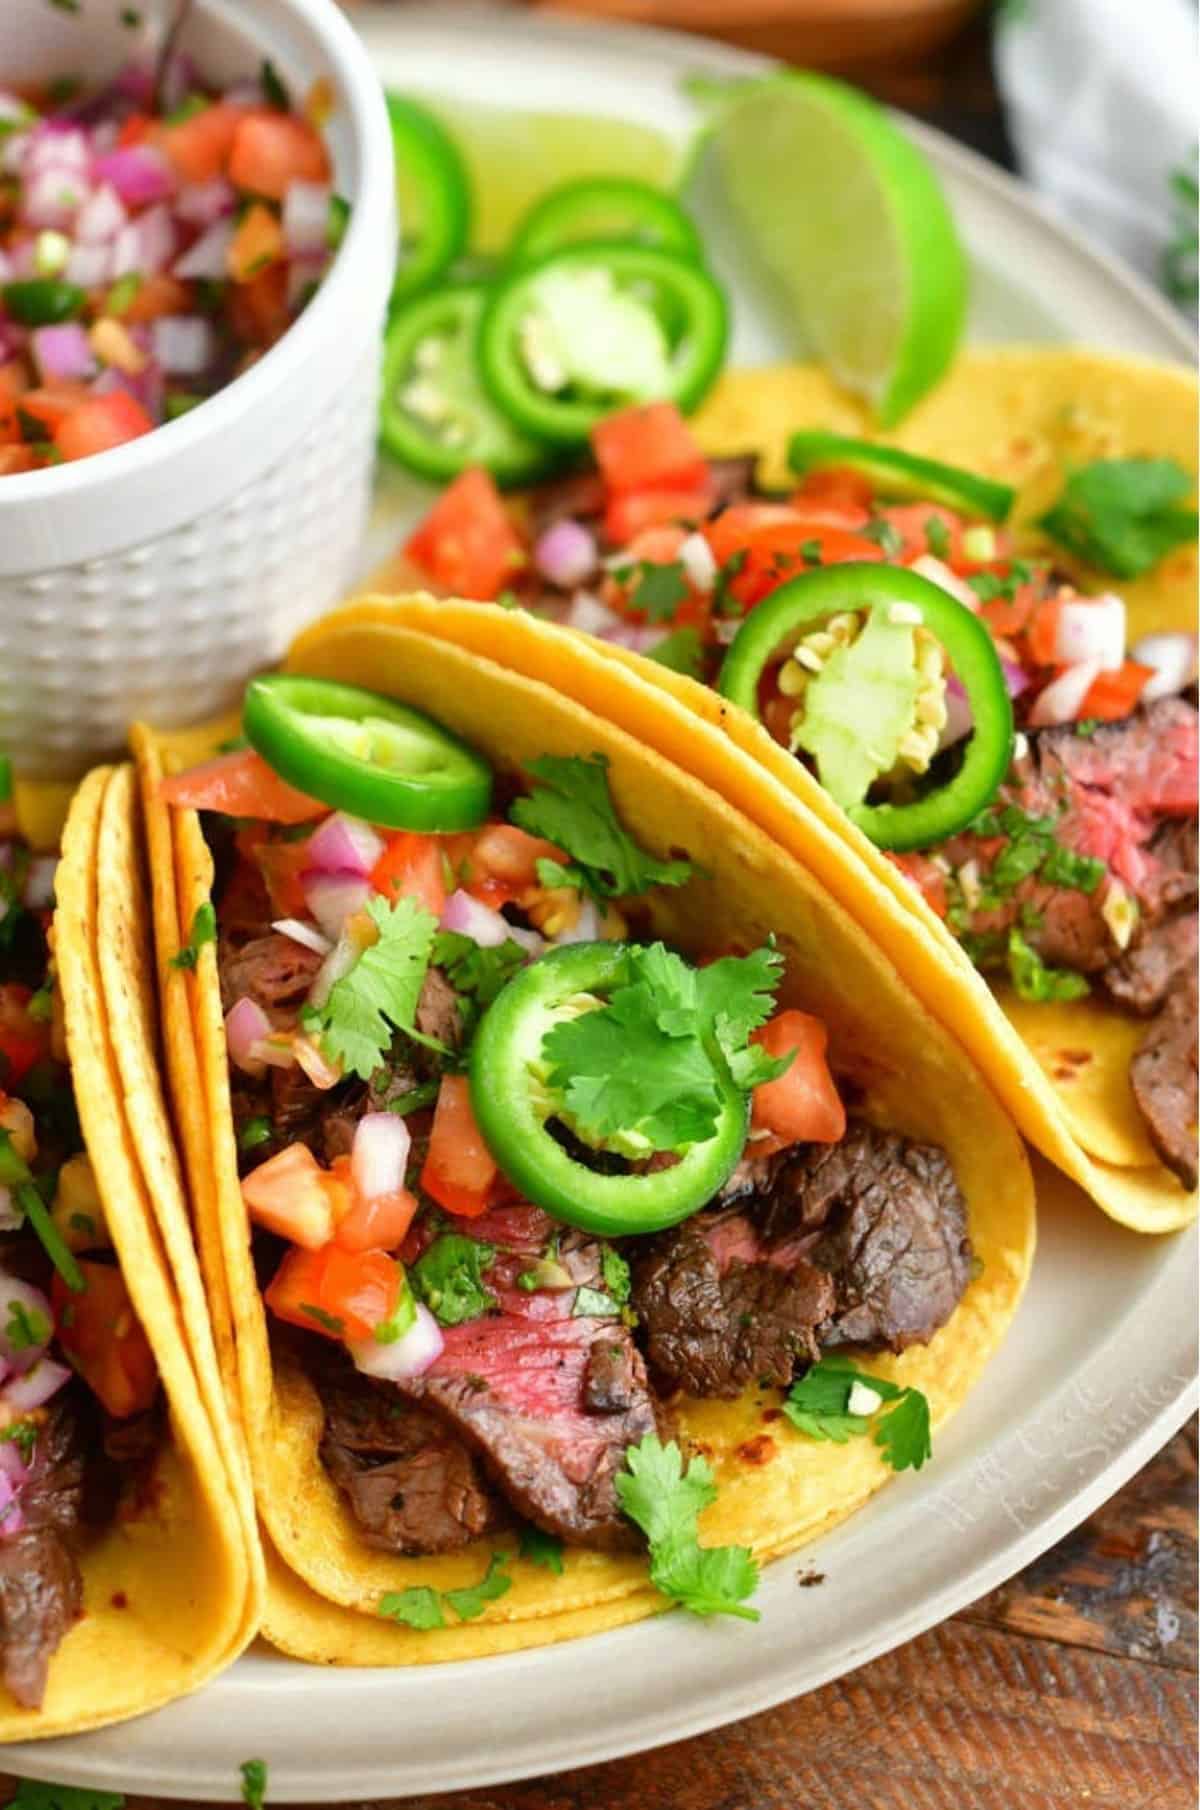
155 239
968 704
476 1111
80 1405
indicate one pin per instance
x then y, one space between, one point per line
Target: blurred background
1093 101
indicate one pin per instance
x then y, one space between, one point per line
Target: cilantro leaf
470 1603
32 1794
666 1502
737 995
820 1406
254 1783
476 974
884 535
417 1607
724 603
937 536
1123 515
27 1327
615 1272
204 930
544 1549
379 995
448 1277
1034 980
680 651
659 589
571 806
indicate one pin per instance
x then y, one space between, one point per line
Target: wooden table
1072 1688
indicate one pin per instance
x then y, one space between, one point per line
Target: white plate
1098 1371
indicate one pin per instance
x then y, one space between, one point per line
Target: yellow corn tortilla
168 1589
1018 414
776 1488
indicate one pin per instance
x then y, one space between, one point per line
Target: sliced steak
438 1012
41 1594
272 970
1143 977
409 1481
1163 1077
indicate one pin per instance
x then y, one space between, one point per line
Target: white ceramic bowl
151 580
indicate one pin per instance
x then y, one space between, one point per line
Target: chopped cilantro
131 18
449 1278
177 403
41 1006
571 806
723 602
66 6
84 1224
328 1322
122 292
819 1407
591 1304
32 1794
680 651
423 1608
188 108
990 587
658 590
254 1783
937 537
204 930
1123 515
27 1327
884 536
1034 980
254 1132
666 1501
1087 726
543 1549
1063 867
23 1434
274 87
415 1099
5 778
810 552
615 1272
640 1071
339 220
379 994
476 974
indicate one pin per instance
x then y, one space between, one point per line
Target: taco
126 1576
1023 800
572 1157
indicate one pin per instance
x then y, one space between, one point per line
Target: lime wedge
512 158
850 220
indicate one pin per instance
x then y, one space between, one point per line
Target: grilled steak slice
272 970
410 1483
438 1013
1141 980
41 1594
1163 1077
718 1313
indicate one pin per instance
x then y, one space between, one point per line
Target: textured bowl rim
87 480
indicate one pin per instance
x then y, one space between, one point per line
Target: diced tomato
380 1224
200 147
241 785
803 1104
102 1335
16 458
281 865
257 243
1041 636
24 1041
1112 695
288 1194
911 522
648 447
342 1294
656 546
100 424
157 296
778 543
1008 616
459 1172
845 494
628 512
927 877
272 150
53 403
499 865
135 130
258 308
467 544
411 867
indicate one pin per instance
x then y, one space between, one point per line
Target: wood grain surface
1071 1688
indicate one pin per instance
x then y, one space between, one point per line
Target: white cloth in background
1101 97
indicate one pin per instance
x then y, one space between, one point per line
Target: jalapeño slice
512 1108
436 417
605 207
365 754
774 626
433 195
902 475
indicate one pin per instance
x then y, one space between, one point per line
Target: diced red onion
959 718
11 1518
405 1357
276 1051
63 353
379 1155
7 272
938 573
344 845
586 928
1091 628
307 935
306 216
176 81
140 174
11 1215
320 1071
471 917
146 245
53 197
207 258
12 1465
337 963
332 898
1016 679
699 563
37 893
101 217
1063 698
135 82
246 1025
146 386
202 203
1173 657
55 145
566 553
89 266
587 613
34 1389
184 344
16 1293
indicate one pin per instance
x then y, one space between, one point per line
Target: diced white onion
101 217
699 563
471 917
1173 657
586 928
586 612
1091 628
938 573
379 1155
184 344
307 935
1063 698
406 1357
306 216
34 1388
333 898
207 257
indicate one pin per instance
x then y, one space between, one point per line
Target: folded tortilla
172 1586
1018 414
325 1584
